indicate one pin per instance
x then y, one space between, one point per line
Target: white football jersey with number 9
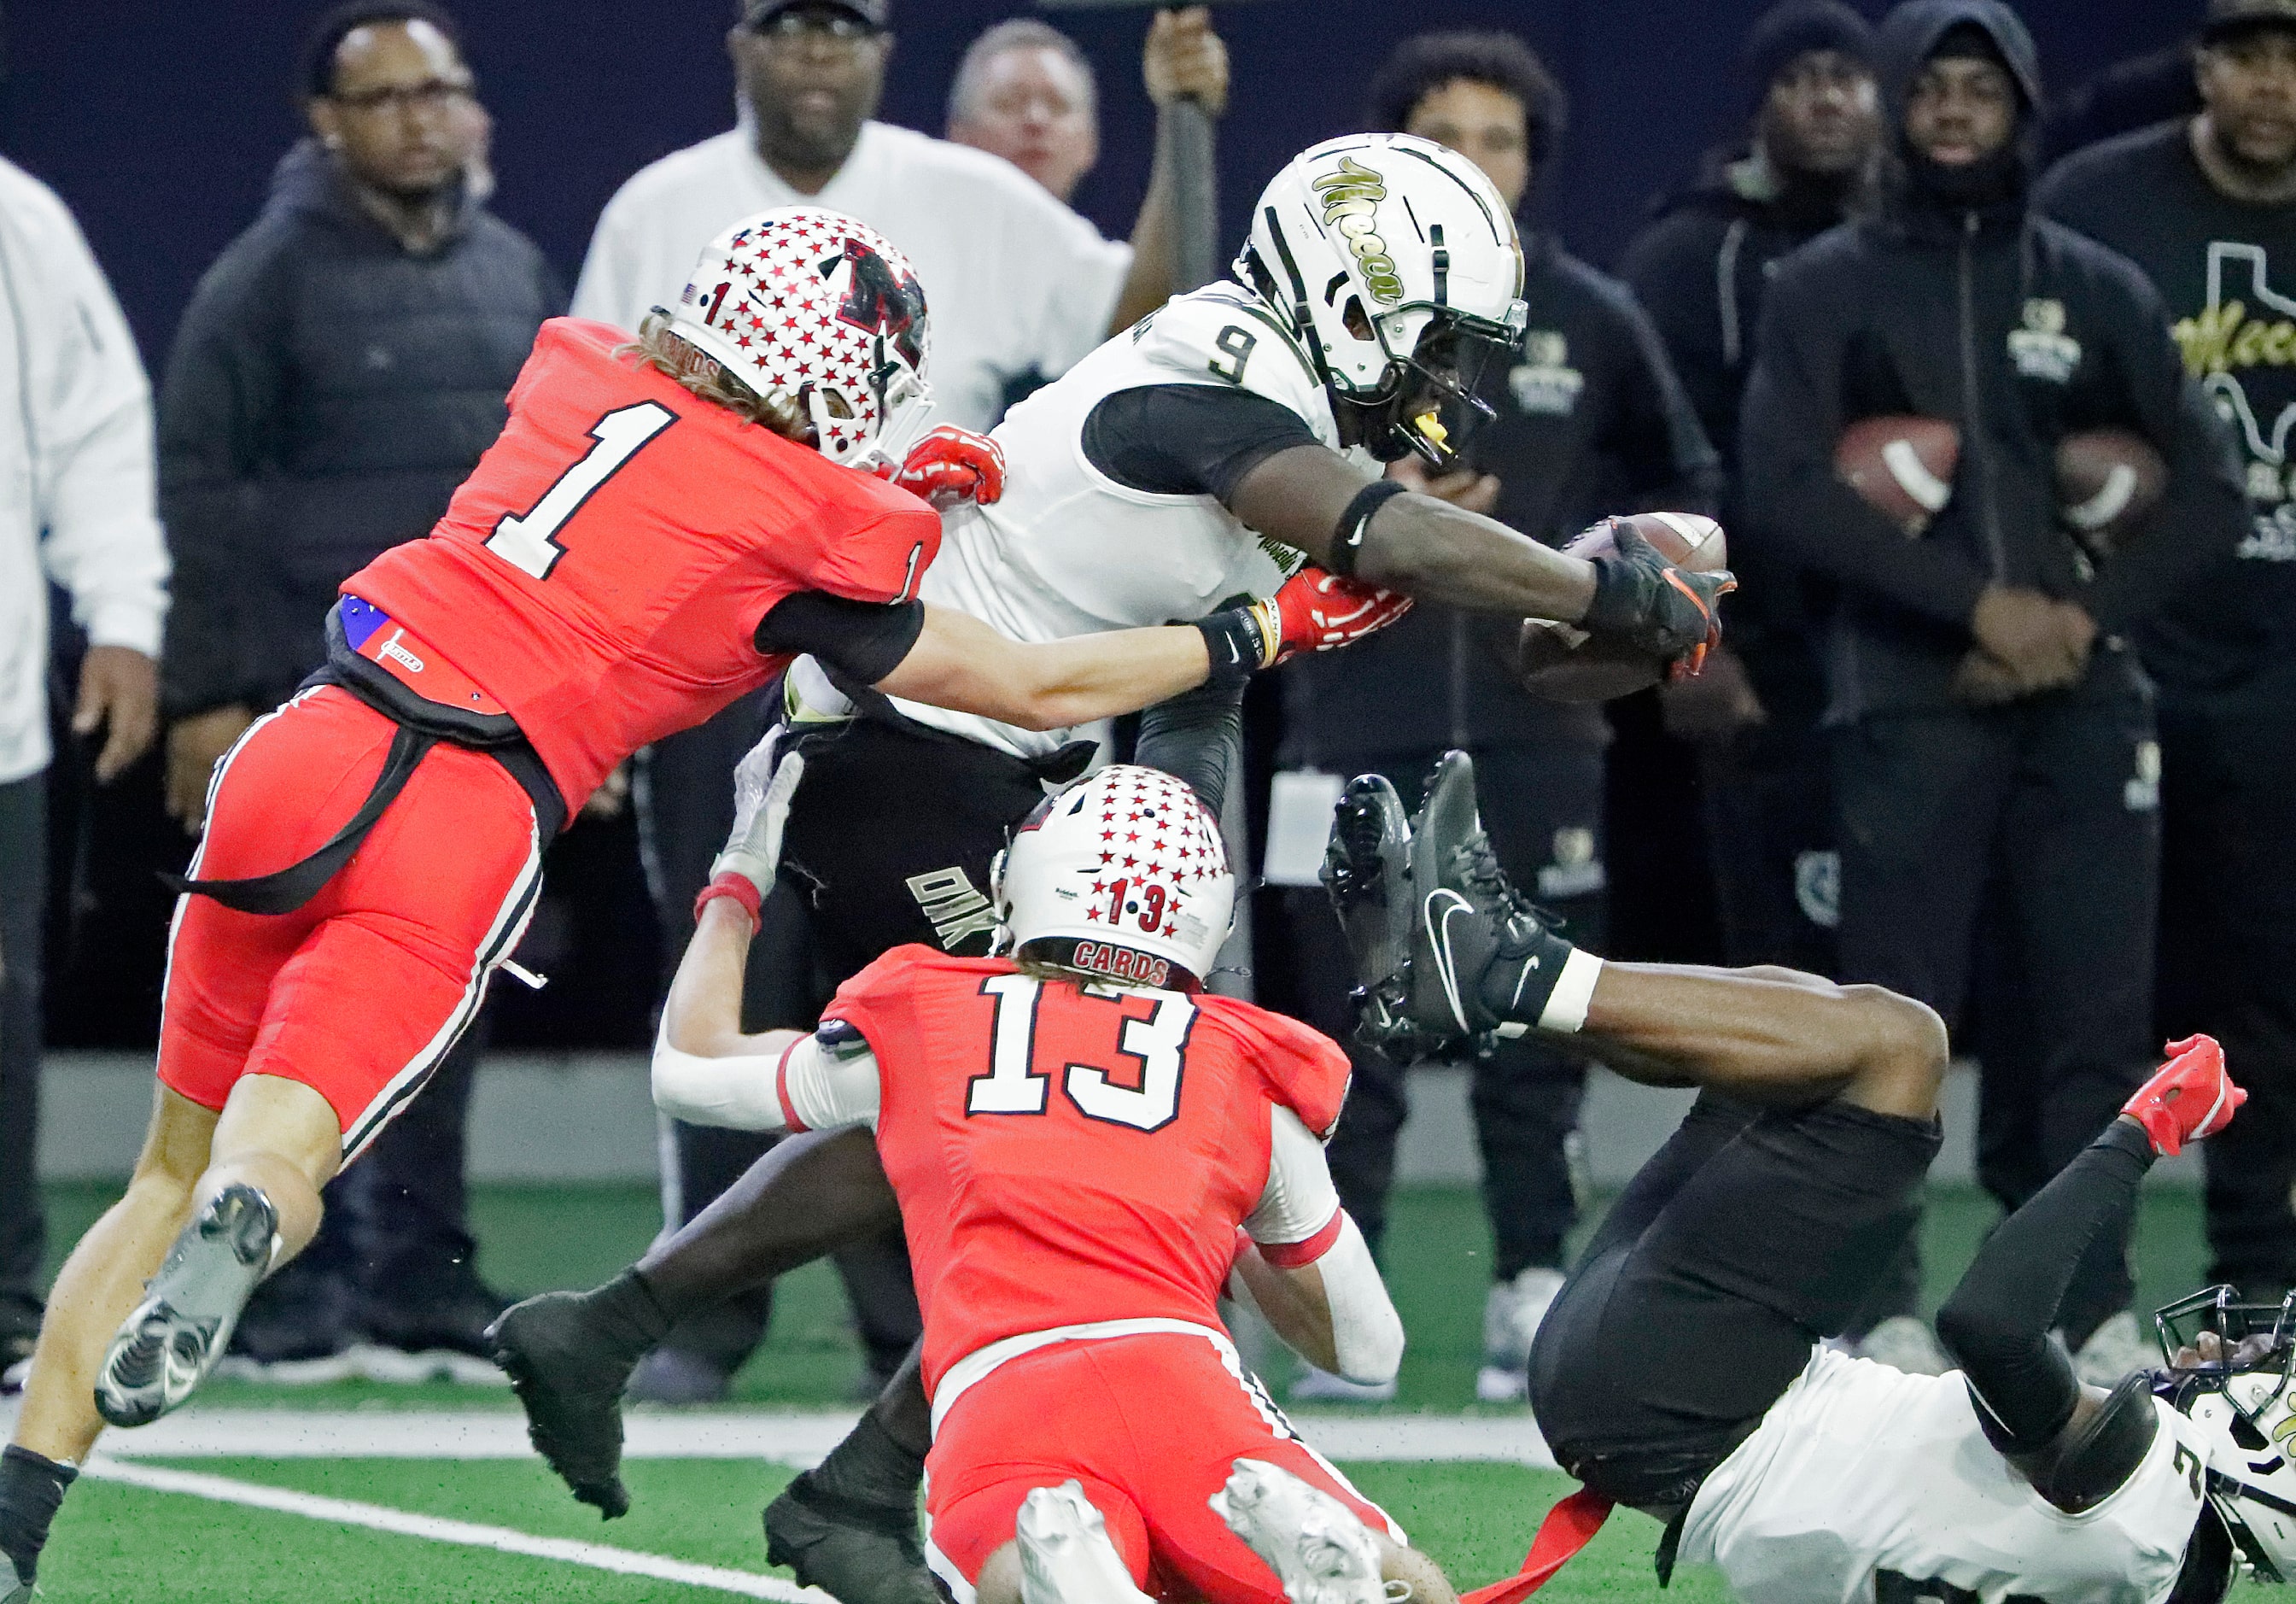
1865 1485
1068 550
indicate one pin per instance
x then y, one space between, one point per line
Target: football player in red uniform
1086 1146
661 527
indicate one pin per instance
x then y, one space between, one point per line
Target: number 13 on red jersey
1015 1085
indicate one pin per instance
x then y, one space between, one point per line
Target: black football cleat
1366 871
860 1553
167 1345
567 1374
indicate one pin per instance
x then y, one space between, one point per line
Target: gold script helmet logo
1351 197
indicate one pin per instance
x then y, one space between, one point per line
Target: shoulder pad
839 1039
1222 335
2099 1460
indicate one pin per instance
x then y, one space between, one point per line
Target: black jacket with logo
1590 420
1701 270
2228 271
327 390
2019 331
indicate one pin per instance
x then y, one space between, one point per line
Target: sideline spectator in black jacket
1589 420
1701 270
2207 206
339 372
2041 776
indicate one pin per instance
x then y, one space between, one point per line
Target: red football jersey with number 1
603 571
1067 1155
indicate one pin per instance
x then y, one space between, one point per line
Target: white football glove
764 783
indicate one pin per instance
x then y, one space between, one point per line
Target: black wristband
1234 640
1355 522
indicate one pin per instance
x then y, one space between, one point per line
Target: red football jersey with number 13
1067 1155
603 571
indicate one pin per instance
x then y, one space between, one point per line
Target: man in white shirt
76 509
1023 288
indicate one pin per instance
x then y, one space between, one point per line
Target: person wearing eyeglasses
338 372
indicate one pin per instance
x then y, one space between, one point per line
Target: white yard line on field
796 1438
629 1562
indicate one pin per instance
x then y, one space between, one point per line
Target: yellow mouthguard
1430 424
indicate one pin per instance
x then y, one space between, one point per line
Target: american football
2107 481
1560 663
1903 467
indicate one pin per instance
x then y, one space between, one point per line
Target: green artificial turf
1437 1259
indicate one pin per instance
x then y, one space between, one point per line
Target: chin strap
1569 1526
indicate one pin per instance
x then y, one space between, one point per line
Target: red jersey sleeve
878 546
872 1001
1302 1068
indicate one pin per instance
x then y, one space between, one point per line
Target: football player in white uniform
1215 450
1684 1370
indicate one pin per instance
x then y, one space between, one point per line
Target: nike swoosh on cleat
1439 932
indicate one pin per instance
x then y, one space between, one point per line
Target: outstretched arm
961 663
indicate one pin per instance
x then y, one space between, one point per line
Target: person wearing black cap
1588 417
2207 206
1700 268
2023 773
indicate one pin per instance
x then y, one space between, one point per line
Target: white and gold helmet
1397 264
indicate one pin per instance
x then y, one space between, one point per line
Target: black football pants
2048 812
685 810
2228 962
1542 808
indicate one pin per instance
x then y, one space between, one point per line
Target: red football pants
1151 1426
361 992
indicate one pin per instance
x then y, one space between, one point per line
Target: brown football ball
1564 665
1903 467
2107 481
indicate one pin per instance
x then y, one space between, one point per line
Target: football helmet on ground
2230 1364
1122 874
1396 265
822 314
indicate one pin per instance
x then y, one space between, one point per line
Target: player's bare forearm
1292 1304
702 1015
1764 1034
1418 545
960 664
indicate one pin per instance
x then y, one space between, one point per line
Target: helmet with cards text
2229 1368
1122 874
823 318
1396 265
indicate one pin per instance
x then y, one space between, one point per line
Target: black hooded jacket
1701 270
327 390
2019 331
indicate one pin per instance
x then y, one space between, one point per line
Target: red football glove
2187 1098
1320 612
953 464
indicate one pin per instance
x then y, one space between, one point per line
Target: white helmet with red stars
810 307
1122 874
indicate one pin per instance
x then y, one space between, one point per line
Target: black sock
870 1468
630 1318
31 1490
1522 974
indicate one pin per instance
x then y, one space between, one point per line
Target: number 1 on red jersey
528 540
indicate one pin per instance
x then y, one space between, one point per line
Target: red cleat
2188 1098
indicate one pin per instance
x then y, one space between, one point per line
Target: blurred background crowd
2043 784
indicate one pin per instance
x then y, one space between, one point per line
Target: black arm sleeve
1196 737
865 641
1188 440
1996 1323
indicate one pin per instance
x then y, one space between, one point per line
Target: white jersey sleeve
824 1081
1221 336
1298 1215
1864 1485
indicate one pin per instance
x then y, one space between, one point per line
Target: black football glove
1645 602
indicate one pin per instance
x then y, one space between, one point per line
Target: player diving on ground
1209 450
1682 1370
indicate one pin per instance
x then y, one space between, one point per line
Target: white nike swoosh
1438 932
